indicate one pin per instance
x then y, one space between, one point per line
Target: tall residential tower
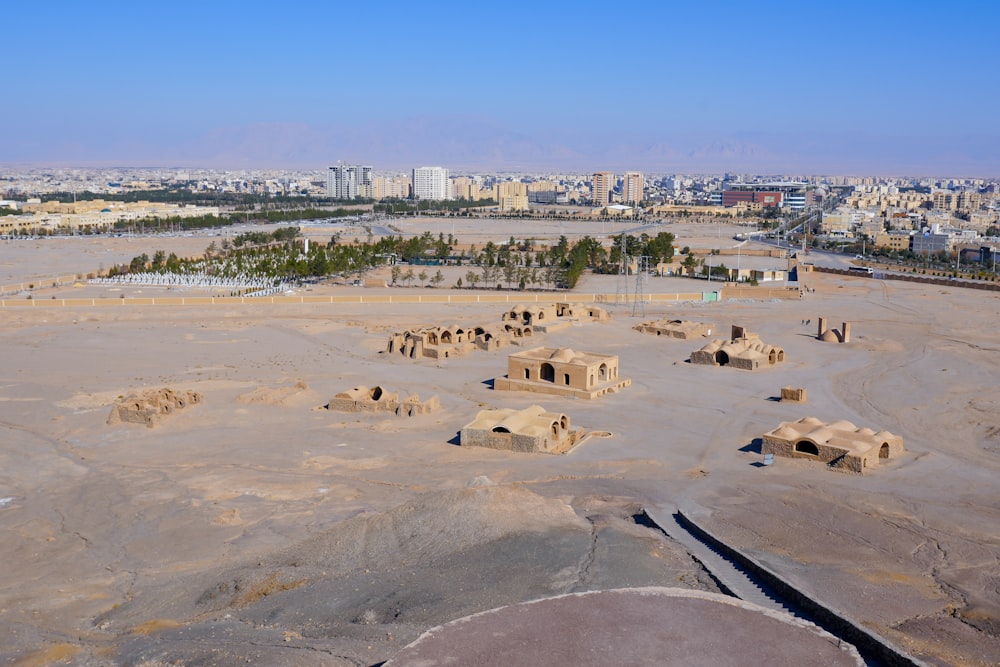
601 186
632 187
350 181
430 183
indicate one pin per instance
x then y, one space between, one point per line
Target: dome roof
563 354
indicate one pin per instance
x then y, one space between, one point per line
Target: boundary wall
913 278
514 297
831 620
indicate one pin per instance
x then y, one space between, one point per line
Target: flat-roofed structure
549 317
840 444
532 429
562 372
449 341
682 329
377 399
789 194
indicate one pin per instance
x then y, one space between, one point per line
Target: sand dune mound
376 581
298 393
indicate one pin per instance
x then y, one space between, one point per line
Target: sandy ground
258 527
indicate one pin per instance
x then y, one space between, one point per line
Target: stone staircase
731 577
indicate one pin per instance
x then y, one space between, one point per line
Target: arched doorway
548 373
602 373
883 452
806 447
721 358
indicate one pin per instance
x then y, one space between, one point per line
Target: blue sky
904 88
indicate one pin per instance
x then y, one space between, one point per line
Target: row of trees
408 206
280 254
183 194
157 224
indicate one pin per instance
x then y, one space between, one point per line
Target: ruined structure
743 350
832 335
376 399
150 406
546 318
445 342
532 429
562 372
682 329
793 394
841 445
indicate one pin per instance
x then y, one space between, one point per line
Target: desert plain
258 527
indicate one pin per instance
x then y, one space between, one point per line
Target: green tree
138 264
159 258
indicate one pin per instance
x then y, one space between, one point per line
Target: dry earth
258 527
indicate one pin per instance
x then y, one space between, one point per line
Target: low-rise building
562 372
743 350
531 429
841 445
680 329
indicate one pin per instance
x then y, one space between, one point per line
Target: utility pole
639 295
621 292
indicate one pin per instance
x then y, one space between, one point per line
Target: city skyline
892 89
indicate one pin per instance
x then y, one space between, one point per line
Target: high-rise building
394 187
350 181
430 183
602 184
632 187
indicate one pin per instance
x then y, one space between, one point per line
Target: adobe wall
514 442
827 454
914 278
703 357
743 363
550 389
793 394
388 403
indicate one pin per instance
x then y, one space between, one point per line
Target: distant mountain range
470 143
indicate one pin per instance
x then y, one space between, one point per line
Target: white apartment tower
430 183
632 187
350 181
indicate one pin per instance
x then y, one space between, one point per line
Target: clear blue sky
847 87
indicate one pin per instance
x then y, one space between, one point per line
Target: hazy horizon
885 90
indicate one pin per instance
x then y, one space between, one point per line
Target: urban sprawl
949 219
